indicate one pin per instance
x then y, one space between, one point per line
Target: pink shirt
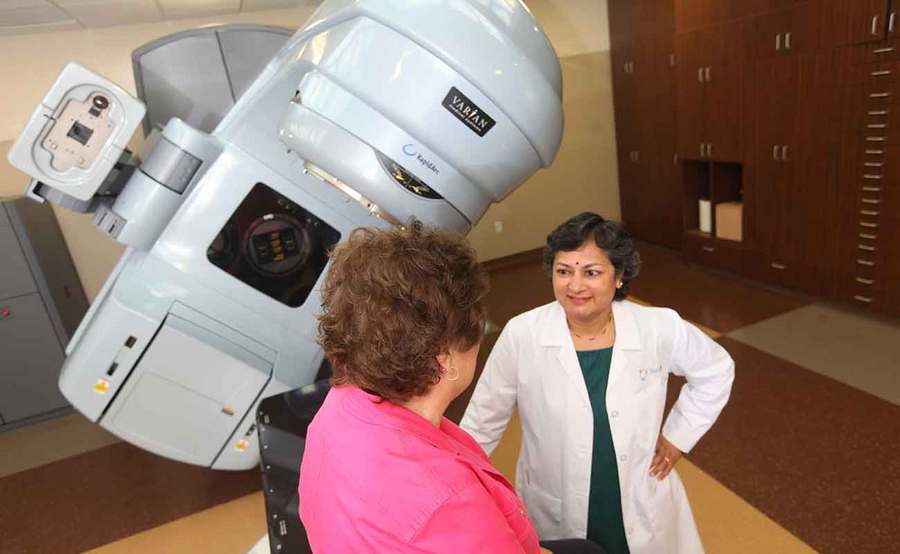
377 477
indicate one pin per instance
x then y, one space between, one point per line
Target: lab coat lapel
628 342
557 336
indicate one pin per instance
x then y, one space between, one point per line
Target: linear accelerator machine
375 112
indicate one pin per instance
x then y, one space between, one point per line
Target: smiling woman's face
584 282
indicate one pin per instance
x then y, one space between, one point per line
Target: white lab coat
534 365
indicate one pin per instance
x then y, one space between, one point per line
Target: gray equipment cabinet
41 304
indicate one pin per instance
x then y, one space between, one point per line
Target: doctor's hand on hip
664 459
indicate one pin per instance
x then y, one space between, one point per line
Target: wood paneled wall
788 107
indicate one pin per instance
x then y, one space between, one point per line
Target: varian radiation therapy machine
375 112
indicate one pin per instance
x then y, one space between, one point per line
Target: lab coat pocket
646 498
545 510
652 378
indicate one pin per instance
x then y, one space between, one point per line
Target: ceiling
32 16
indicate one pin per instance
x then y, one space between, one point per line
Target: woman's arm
709 371
492 402
471 521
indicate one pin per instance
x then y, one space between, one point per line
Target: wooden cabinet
643 89
795 106
792 200
868 249
710 92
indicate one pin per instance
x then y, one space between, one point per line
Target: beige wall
583 176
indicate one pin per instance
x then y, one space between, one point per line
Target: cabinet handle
787 41
881 73
879 112
871 201
709 153
875 139
709 249
877 126
872 176
866 247
871 189
778 42
868 212
868 225
778 266
874 164
891 22
874 24
879 95
868 236
875 152
866 263
883 50
706 74
865 299
672 60
864 281
699 74
784 152
775 152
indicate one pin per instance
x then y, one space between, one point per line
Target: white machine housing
72 140
375 112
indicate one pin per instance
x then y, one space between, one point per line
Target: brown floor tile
709 298
101 496
817 456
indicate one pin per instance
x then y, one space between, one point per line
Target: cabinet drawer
869 299
867 54
711 252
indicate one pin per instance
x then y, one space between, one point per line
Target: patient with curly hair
383 469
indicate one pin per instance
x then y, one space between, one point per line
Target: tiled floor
805 456
860 351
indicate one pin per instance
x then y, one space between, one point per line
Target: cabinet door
867 21
775 80
724 119
621 24
802 28
693 14
724 55
15 275
30 360
768 35
809 171
690 101
893 20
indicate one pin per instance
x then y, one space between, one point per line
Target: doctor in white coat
612 429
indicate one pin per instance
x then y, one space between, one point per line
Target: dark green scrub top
605 525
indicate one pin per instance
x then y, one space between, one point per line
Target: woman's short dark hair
609 235
393 301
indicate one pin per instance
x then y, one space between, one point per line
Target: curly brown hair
393 301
